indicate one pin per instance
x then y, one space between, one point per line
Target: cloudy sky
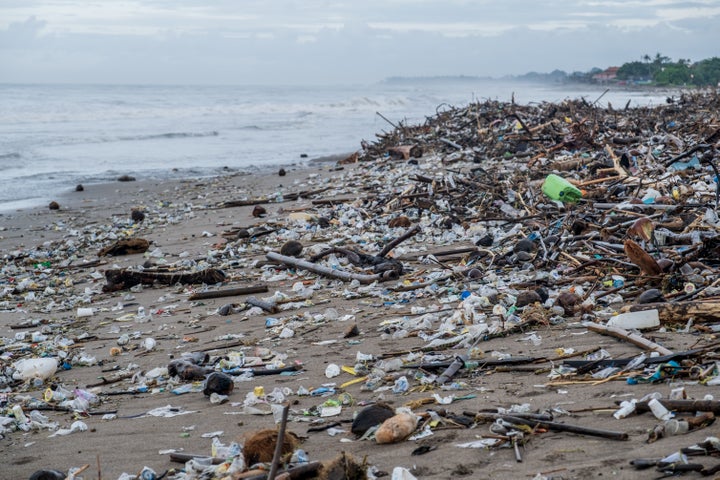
341 41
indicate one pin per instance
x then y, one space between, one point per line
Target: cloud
314 41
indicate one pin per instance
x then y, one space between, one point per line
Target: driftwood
681 312
622 334
184 457
406 151
687 406
329 272
230 292
288 197
123 279
554 426
363 260
378 262
127 246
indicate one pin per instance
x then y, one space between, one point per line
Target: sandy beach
52 269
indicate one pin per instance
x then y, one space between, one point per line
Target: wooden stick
557 427
399 240
634 338
279 444
230 292
329 272
178 457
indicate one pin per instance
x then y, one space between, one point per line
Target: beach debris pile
496 251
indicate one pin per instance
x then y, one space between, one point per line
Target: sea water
53 137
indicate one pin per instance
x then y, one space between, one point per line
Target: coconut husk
343 467
396 429
126 246
260 446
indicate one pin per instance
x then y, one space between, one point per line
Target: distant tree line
661 70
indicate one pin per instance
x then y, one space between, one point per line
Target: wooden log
329 272
622 334
681 312
686 406
122 279
230 292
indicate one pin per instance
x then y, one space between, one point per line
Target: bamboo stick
622 334
230 292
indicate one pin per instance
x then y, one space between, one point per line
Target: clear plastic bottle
626 408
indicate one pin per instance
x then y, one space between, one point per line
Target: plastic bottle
659 410
626 408
30 368
636 320
557 188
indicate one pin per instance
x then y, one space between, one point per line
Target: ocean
54 137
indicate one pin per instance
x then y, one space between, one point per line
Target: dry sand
178 223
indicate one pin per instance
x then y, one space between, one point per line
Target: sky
338 42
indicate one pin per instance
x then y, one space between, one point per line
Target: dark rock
524 245
48 475
485 241
137 215
542 291
291 249
527 297
282 172
650 296
523 256
323 222
126 178
219 383
369 417
259 211
54 205
79 188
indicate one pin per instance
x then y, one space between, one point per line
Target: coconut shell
291 249
396 429
369 417
260 446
